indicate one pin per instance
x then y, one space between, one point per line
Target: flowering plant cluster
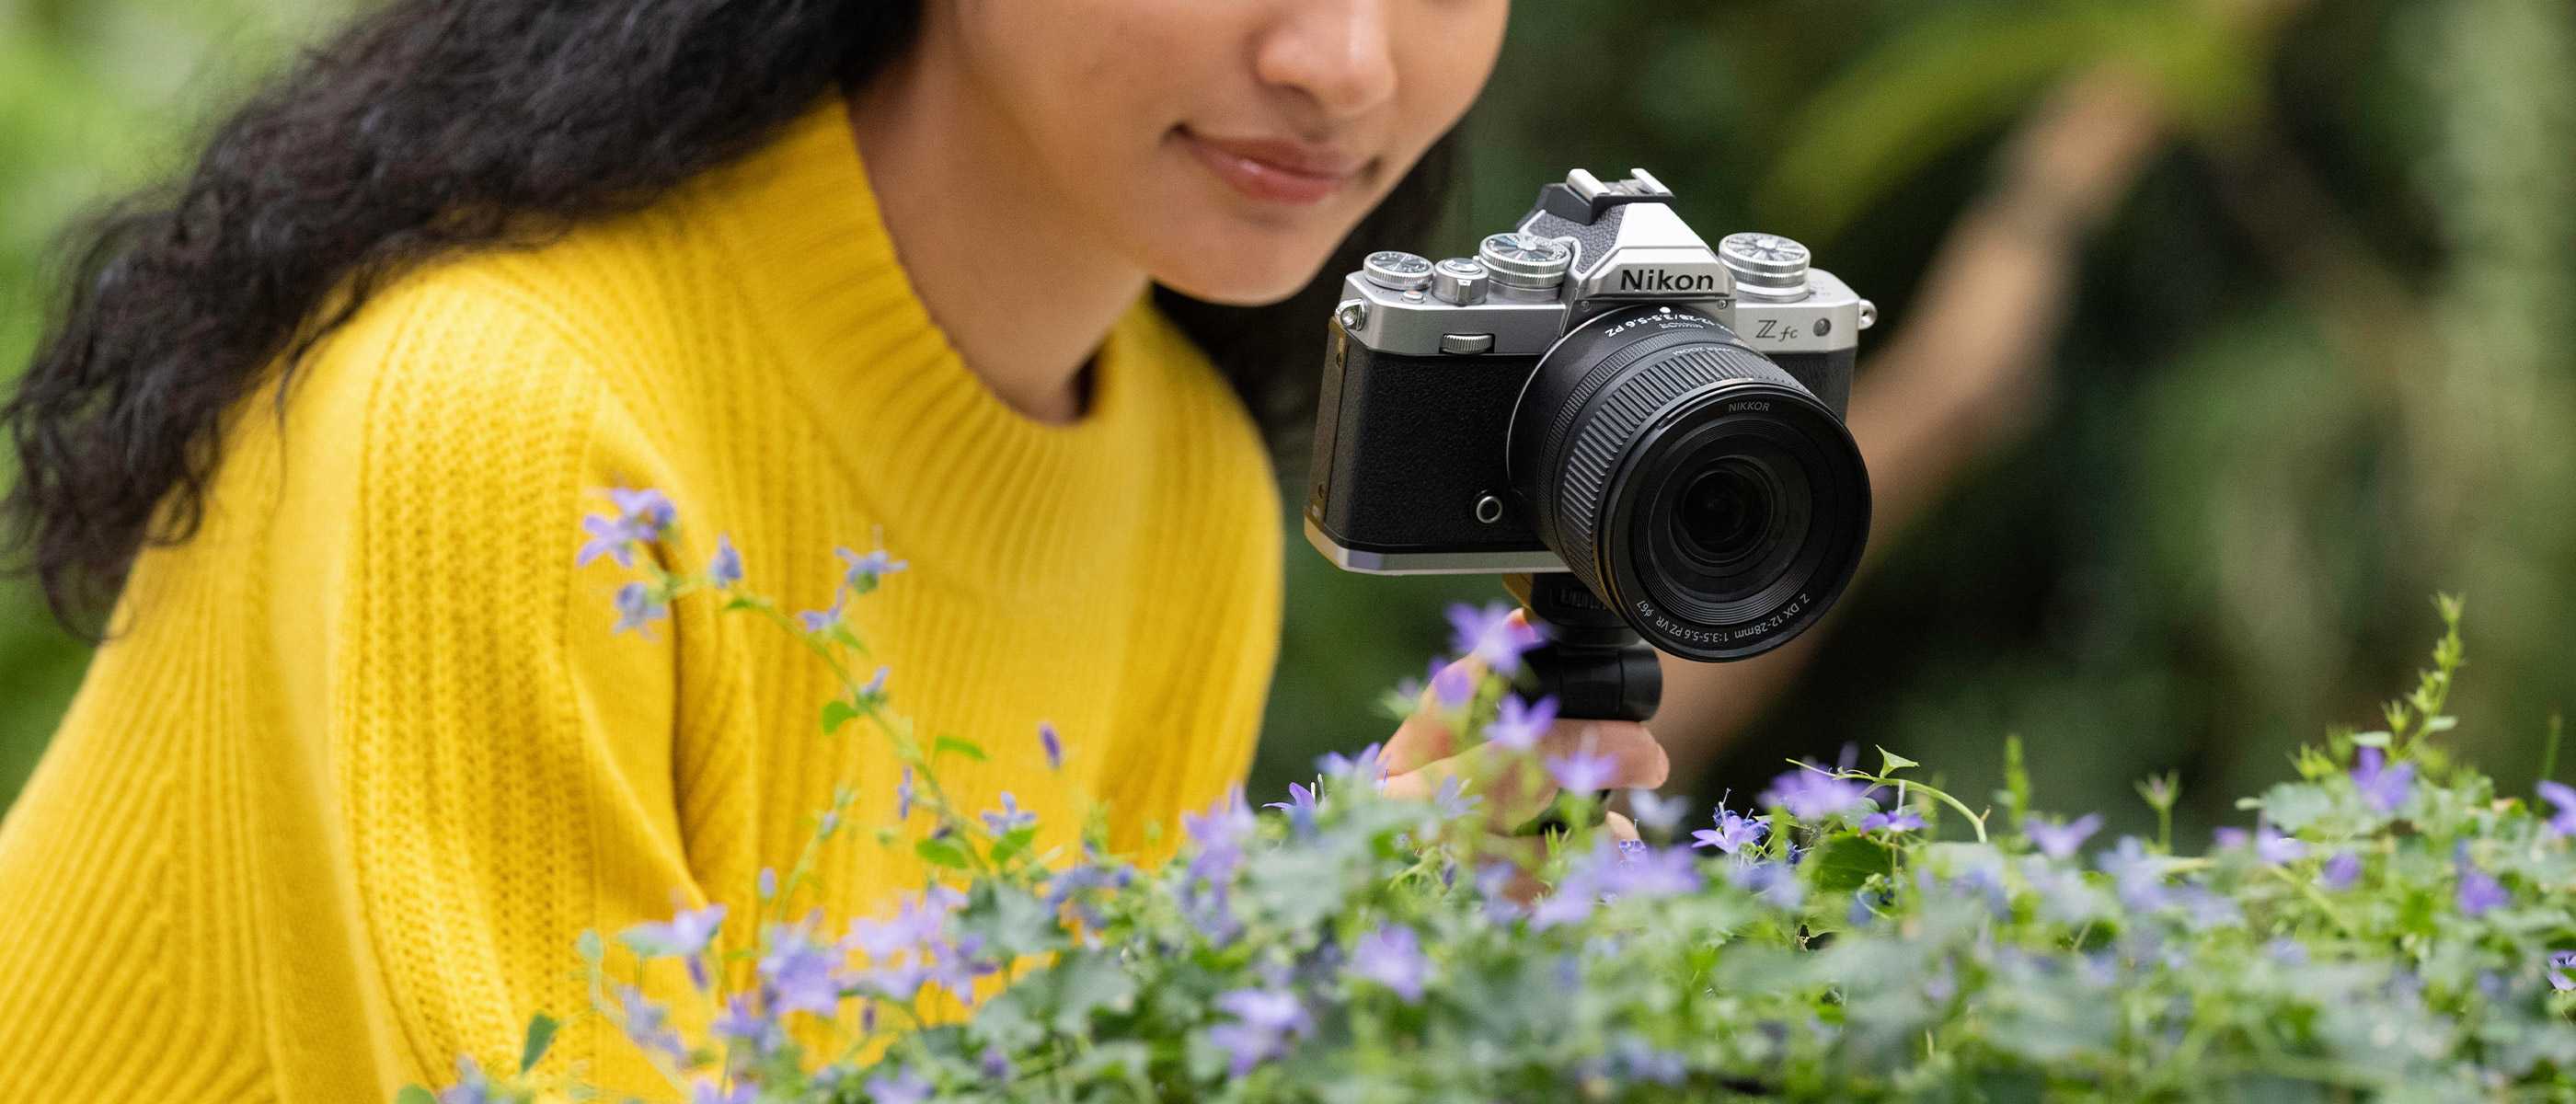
2390 925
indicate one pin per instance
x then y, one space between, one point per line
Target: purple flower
903 796
1452 687
1733 832
2340 872
2059 841
648 1024
2559 963
1392 957
1491 634
2386 788
636 609
797 974
916 923
1583 772
471 1086
1227 821
726 568
994 1063
2229 839
1811 795
866 570
643 517
2139 876
742 1024
2206 910
1517 726
822 619
1657 813
1300 799
1334 764
955 964
2563 796
1642 871
687 933
1009 818
1902 820
1053 745
874 690
2479 890
1267 1019
708 1090
2274 848
768 883
1770 879
907 1086
1452 800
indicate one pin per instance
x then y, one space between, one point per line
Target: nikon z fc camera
1644 435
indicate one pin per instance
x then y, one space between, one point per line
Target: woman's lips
1274 170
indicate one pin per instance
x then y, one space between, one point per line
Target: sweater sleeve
500 760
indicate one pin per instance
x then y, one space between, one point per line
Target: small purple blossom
2340 871
874 690
708 1090
2479 891
1491 634
648 1024
1392 956
1517 725
2059 841
1902 820
637 608
1334 764
1583 771
1452 687
866 570
725 569
643 517
994 1063
2385 787
1301 798
471 1086
2138 875
2563 796
796 973
742 1024
906 1086
1267 1020
1052 744
2275 849
916 923
1657 813
686 934
821 620
1733 832
2559 963
1771 880
1009 818
1452 799
1645 872
903 795
1811 795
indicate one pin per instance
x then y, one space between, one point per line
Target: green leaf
2441 724
940 852
414 1094
589 946
967 748
740 603
2370 739
1849 862
1005 848
1895 762
837 713
541 1034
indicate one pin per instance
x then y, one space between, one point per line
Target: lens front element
1690 482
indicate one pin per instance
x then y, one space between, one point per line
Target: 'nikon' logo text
1656 279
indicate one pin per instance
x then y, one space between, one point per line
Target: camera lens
1694 485
1726 511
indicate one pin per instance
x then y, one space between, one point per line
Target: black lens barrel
1689 481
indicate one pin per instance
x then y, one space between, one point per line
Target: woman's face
1227 146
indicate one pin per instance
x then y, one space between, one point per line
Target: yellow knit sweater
365 758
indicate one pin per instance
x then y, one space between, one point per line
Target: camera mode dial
1397 271
1526 261
1766 266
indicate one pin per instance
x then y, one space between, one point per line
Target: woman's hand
1424 756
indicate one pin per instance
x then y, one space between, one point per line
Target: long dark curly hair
429 127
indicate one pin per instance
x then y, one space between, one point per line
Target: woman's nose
1339 53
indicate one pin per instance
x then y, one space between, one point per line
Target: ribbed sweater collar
959 476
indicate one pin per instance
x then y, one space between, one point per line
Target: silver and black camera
1599 392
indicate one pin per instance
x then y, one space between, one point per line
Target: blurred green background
2318 367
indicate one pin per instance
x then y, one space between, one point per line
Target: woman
361 756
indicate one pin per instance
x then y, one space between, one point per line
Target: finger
1620 827
1641 762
